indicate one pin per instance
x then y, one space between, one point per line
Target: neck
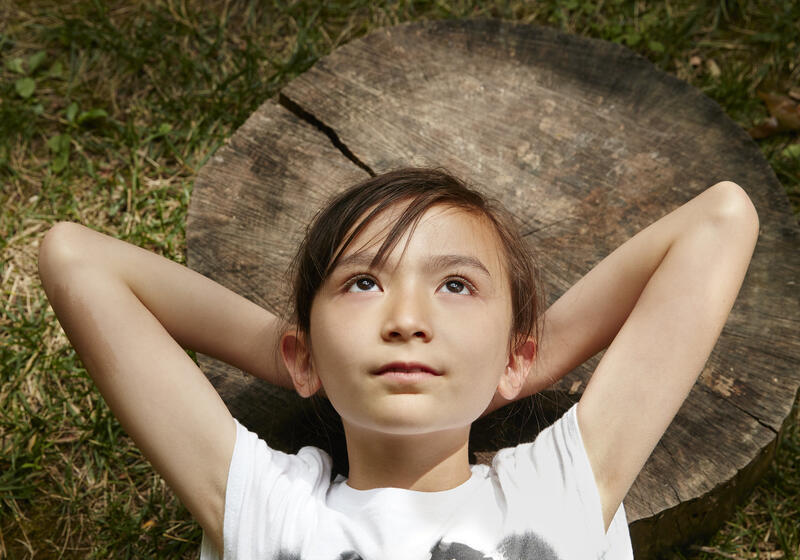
424 462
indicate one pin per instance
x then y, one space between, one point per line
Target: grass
107 111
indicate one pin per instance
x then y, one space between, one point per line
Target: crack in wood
546 226
668 480
311 119
754 417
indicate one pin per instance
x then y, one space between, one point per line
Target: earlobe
519 364
297 359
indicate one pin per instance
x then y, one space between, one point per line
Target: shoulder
554 466
550 480
558 447
554 471
267 488
254 462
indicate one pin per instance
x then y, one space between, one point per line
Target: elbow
732 211
58 250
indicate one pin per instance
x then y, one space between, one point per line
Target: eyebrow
433 263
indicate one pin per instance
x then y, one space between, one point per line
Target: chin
408 415
410 425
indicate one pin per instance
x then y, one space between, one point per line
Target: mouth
406 368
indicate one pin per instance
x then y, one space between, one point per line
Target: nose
406 317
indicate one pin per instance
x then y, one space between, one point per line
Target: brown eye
456 287
363 284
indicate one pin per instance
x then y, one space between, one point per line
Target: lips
406 367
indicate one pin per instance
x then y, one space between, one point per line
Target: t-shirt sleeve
267 492
549 483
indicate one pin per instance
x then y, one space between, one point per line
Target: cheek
483 340
336 341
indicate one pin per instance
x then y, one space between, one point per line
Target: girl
415 313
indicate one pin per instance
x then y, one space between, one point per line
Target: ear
297 357
520 360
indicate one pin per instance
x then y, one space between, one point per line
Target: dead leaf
765 128
782 108
784 115
713 68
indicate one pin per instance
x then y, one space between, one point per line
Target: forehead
440 229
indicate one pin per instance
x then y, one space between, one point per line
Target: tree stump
587 143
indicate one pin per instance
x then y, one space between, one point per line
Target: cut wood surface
587 143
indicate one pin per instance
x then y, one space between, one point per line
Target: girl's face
420 344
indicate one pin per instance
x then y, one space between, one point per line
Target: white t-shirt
537 501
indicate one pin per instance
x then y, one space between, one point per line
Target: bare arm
127 312
658 303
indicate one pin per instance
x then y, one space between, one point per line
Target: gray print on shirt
527 546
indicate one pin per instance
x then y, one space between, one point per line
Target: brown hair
340 222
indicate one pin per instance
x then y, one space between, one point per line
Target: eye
457 286
362 284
